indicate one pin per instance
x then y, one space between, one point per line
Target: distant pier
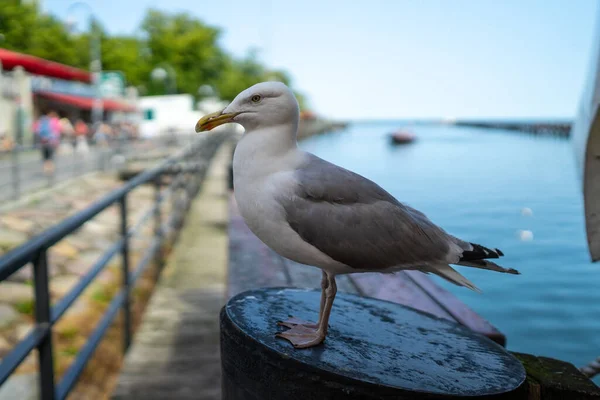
311 124
553 128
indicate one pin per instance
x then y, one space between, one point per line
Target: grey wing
356 222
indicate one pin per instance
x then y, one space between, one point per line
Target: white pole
96 70
95 63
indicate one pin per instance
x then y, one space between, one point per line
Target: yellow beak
211 121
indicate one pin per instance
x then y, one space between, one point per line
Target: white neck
262 152
272 141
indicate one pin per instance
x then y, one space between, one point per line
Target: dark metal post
175 209
254 363
158 233
16 178
126 286
42 319
180 198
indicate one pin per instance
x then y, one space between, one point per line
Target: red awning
86 103
39 66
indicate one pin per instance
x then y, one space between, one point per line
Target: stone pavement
70 259
175 354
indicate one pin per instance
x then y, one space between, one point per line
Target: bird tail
477 258
485 264
451 275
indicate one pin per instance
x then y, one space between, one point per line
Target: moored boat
402 137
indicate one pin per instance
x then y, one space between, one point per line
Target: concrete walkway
175 354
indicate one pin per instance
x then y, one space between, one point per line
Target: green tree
125 54
14 20
26 30
191 48
52 41
177 42
186 45
237 75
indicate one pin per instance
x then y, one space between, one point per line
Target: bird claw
302 337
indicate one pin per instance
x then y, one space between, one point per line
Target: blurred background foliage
176 41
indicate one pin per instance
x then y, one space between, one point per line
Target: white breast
259 186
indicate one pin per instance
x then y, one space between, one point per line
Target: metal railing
185 171
21 168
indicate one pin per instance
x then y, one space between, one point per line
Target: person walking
47 129
67 134
81 134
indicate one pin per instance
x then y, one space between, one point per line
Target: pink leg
302 336
293 321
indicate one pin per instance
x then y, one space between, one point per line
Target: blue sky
401 58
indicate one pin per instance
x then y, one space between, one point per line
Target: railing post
184 196
16 178
158 233
175 209
125 273
42 318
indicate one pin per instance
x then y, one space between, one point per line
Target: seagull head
260 106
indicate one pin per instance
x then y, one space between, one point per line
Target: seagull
319 214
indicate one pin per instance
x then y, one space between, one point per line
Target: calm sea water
475 183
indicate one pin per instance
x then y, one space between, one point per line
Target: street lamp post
165 73
95 61
205 91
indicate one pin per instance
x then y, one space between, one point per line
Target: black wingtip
513 271
480 253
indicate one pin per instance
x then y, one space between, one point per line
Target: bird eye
256 98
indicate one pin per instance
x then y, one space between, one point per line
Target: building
174 113
31 86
